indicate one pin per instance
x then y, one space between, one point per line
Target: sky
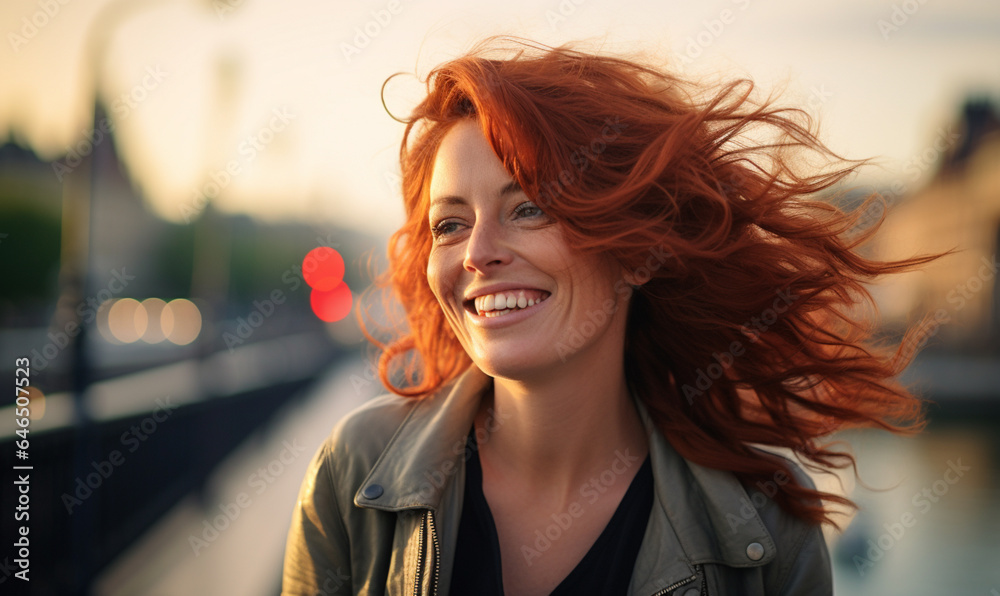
274 108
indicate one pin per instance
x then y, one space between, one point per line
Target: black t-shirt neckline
605 569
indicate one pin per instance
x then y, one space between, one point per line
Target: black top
606 569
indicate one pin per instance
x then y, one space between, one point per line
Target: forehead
464 162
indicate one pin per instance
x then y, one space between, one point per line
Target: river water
929 518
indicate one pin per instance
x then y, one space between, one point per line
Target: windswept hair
754 326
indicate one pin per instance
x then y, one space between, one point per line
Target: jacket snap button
691 592
755 551
373 491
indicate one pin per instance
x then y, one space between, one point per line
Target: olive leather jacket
379 509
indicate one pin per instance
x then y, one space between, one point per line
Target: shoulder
802 562
359 438
324 520
343 460
745 542
353 446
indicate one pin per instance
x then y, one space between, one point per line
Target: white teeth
494 305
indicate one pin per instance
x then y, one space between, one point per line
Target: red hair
748 329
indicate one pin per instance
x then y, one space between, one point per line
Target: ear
630 278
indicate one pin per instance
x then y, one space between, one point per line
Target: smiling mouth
502 303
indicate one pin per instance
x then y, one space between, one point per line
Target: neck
548 435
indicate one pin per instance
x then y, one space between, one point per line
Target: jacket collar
427 453
428 448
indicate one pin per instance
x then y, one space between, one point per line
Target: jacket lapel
423 468
428 449
692 521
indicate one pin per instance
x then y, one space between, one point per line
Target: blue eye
525 209
443 228
528 209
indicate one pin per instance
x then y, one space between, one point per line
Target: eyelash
438 230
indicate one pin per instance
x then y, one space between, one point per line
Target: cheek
546 251
433 277
438 277
597 278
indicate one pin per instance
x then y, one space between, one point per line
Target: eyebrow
507 189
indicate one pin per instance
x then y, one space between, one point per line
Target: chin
521 366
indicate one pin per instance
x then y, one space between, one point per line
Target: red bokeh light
331 305
323 268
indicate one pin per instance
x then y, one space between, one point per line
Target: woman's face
519 300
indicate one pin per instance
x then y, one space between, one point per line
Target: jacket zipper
420 557
674 586
437 550
428 521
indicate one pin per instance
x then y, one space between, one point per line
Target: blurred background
166 165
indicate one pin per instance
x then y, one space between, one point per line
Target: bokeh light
154 329
103 325
181 321
127 320
323 268
332 305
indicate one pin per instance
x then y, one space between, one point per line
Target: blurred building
959 208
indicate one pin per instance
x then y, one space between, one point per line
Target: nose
487 247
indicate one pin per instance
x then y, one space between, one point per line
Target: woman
614 294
